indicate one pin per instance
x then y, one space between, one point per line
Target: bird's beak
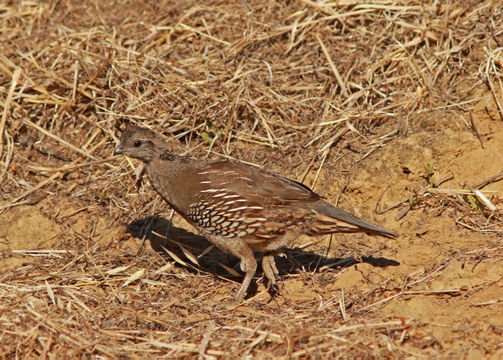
118 150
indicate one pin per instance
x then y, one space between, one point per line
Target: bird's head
139 143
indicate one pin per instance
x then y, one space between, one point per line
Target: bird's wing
256 184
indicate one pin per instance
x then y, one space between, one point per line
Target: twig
13 83
326 150
491 86
320 8
342 305
491 180
67 168
8 159
58 139
390 207
465 225
186 27
332 66
382 301
476 130
457 191
349 328
484 200
26 193
42 252
490 302
430 275
59 78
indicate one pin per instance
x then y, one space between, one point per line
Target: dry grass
300 86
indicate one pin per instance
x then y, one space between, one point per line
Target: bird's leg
168 227
240 249
249 266
145 231
270 269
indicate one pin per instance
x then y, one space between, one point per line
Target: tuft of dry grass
304 87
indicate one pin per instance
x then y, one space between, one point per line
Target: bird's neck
164 173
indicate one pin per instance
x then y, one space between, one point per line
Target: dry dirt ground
89 266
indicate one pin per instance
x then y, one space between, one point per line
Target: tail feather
330 219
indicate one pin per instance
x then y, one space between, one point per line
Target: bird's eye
137 143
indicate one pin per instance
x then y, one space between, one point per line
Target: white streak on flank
211 190
245 178
253 221
205 182
229 202
219 195
239 208
223 183
256 207
231 196
265 236
241 200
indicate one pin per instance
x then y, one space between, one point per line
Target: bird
239 208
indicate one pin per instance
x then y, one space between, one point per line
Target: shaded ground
85 267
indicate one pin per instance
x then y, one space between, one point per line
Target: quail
238 207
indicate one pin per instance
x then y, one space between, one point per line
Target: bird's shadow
164 236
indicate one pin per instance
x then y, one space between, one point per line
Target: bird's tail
329 219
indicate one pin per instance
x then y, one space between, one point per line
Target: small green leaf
432 180
206 137
429 165
398 280
475 203
414 199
